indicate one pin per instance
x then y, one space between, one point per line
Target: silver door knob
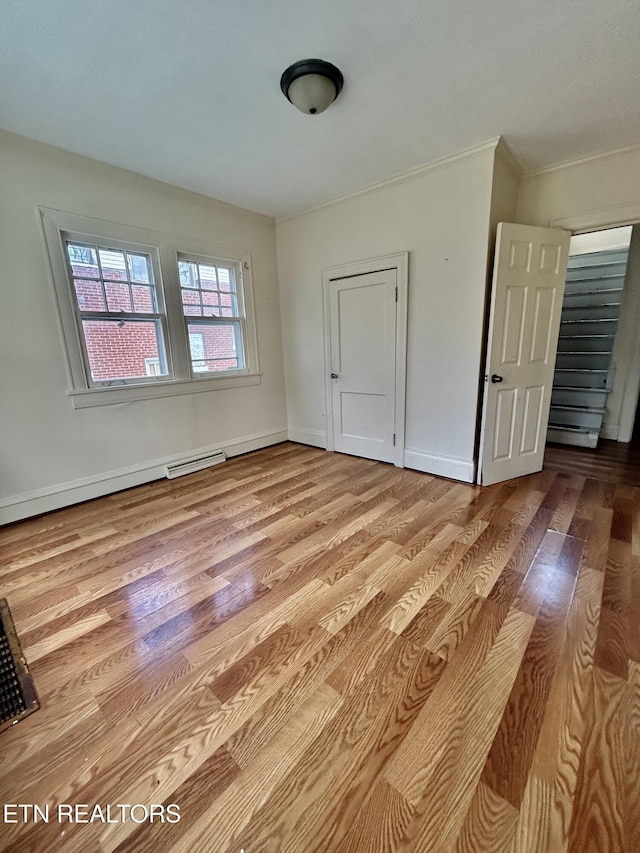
495 378
334 375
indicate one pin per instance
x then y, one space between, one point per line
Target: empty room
319 427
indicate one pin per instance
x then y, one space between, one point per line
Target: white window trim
168 247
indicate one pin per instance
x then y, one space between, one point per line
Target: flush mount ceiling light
311 85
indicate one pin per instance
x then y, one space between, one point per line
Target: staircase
583 374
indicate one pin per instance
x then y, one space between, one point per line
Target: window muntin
117 305
211 291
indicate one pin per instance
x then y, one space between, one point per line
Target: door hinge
394 439
396 292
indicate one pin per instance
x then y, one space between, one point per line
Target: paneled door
362 356
526 303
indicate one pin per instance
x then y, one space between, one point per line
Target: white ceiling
187 91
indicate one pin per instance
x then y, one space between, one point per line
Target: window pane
188 273
113 265
144 299
208 277
139 268
89 294
226 278
210 303
83 260
122 349
191 303
118 296
215 346
210 297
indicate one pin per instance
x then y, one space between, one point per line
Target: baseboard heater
188 466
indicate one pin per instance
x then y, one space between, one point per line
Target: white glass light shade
312 93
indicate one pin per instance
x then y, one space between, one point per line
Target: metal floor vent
188 466
18 697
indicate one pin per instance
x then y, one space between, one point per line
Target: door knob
496 378
334 375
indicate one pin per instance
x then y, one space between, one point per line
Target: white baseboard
442 466
253 442
71 492
314 437
430 463
610 431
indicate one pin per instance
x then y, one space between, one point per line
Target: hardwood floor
311 652
611 461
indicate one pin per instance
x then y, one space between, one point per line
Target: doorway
596 332
365 320
617 455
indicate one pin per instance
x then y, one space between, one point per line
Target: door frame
400 262
600 220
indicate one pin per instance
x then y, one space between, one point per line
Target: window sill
109 396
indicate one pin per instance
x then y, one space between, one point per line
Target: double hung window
148 317
120 311
212 305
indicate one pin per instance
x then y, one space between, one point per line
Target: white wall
504 189
504 201
589 194
441 217
51 454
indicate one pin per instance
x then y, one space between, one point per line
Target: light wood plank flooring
311 652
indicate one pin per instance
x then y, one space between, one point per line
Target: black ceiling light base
311 85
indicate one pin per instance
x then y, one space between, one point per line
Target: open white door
526 303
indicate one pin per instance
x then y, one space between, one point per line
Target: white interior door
526 302
362 328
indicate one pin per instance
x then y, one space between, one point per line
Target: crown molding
590 159
403 177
